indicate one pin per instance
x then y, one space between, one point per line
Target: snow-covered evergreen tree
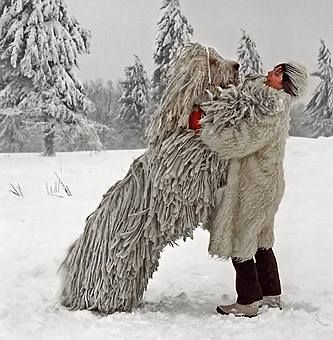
248 56
40 43
106 101
174 32
319 109
297 123
84 135
133 116
103 96
12 135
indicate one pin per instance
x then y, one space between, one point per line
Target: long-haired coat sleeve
243 140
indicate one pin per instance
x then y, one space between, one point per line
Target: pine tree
39 47
248 56
174 32
12 135
81 137
133 116
115 135
104 98
106 107
297 123
319 110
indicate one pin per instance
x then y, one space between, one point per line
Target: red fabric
194 119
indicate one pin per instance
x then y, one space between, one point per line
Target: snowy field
180 301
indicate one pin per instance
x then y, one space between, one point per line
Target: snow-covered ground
180 302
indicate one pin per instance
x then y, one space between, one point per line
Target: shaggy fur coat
247 125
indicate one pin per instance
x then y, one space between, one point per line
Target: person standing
242 228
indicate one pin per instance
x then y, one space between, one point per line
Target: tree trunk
49 142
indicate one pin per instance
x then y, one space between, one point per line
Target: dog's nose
236 66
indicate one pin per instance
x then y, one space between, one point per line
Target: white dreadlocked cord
208 67
210 95
165 195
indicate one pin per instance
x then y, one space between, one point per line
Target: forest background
46 107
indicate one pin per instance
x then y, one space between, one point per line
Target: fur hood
248 126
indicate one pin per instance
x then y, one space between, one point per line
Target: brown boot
237 309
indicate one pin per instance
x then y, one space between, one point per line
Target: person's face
274 78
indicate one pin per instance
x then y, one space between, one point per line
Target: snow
181 298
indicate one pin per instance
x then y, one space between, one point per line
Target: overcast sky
283 30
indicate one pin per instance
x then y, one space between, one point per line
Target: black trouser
257 279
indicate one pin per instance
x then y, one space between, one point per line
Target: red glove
194 119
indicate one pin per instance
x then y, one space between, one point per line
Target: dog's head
196 70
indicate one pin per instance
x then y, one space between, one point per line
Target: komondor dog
166 194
